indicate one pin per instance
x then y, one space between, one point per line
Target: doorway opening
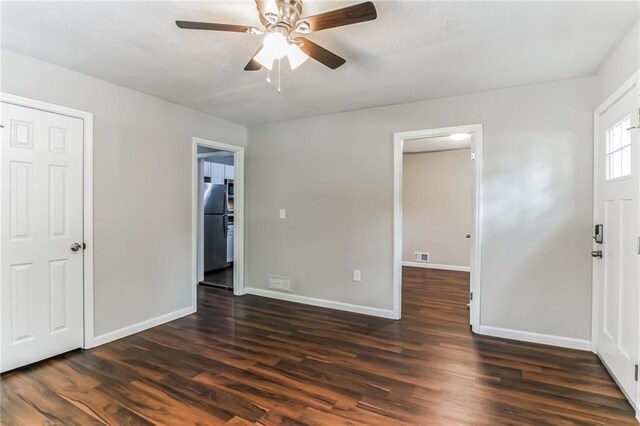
437 209
218 216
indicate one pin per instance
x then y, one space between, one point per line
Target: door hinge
638 245
636 373
473 156
471 296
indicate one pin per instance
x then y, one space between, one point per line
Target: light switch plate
283 214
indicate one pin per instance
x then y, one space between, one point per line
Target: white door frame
632 83
87 226
238 216
475 285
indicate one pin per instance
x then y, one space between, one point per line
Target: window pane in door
618 150
626 161
616 137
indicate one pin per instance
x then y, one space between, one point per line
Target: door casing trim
87 205
238 220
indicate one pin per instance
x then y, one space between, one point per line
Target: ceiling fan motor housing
286 13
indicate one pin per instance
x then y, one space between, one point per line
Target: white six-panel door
617 272
41 288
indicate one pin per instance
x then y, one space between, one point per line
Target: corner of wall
621 63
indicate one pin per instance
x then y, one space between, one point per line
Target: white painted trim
141 326
359 309
544 339
87 119
619 93
436 266
238 220
476 246
212 154
398 140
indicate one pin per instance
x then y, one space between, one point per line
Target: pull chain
279 87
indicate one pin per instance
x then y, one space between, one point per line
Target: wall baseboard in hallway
544 339
359 309
141 326
436 266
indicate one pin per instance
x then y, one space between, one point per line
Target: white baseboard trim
359 309
436 266
545 339
141 326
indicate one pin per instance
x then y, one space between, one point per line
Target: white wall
436 206
142 187
334 175
623 61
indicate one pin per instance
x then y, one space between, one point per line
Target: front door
617 272
41 291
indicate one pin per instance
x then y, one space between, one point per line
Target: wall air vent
280 283
421 257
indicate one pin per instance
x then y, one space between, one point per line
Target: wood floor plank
253 361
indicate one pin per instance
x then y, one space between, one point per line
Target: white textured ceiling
441 143
413 51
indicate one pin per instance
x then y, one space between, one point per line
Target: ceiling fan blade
190 25
320 54
253 65
362 12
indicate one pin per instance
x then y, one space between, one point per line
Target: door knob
468 236
597 253
76 246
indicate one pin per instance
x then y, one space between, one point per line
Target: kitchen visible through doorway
217 197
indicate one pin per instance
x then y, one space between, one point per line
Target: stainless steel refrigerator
215 226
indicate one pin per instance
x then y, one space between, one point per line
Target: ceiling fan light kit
276 46
281 20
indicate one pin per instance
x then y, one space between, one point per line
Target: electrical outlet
356 275
283 214
421 257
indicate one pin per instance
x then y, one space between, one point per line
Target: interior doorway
437 172
218 216
215 254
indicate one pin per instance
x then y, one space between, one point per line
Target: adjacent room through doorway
216 174
437 216
437 202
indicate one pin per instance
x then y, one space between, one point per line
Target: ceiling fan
281 20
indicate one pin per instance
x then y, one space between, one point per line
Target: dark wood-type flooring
250 360
220 278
